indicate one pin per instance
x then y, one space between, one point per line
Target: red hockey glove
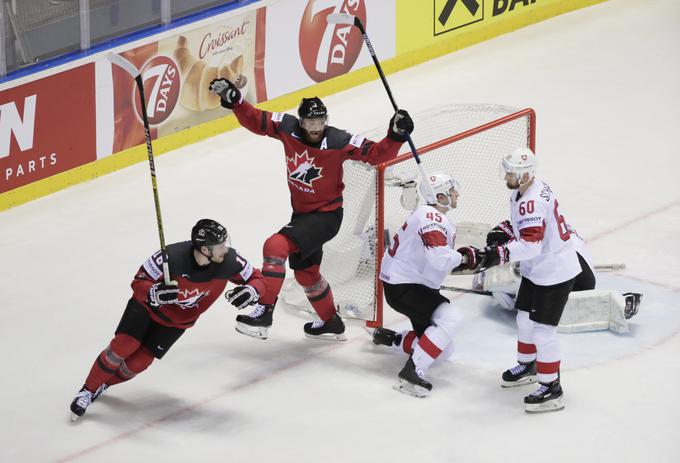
470 258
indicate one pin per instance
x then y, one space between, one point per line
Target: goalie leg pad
594 310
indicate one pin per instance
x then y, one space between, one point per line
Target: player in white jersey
548 266
412 271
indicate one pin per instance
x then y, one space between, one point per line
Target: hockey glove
161 294
470 255
493 255
242 296
500 234
229 95
401 125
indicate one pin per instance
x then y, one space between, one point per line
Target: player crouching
412 272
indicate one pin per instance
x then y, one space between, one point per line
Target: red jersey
199 286
315 171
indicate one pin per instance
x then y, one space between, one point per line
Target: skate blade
74 417
411 389
521 382
549 406
257 332
327 336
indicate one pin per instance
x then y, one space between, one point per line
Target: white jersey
543 248
422 250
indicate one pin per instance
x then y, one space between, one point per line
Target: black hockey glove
401 124
161 294
229 95
493 255
500 234
242 296
470 258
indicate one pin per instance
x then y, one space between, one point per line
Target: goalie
587 309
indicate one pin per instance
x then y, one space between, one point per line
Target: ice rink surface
605 83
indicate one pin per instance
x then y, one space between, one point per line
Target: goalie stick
134 72
339 18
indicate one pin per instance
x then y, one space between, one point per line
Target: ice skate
386 337
523 373
100 390
547 398
411 381
81 401
331 330
256 324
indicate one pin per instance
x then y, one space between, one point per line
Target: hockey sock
110 359
526 349
276 250
317 290
430 345
409 341
132 366
548 352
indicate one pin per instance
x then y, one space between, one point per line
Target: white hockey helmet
441 183
521 161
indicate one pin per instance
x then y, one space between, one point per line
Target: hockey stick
466 290
339 18
609 267
134 72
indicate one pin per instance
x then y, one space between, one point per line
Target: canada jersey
543 246
422 250
314 172
199 286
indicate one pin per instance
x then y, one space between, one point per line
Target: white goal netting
466 141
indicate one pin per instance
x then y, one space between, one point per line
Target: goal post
467 141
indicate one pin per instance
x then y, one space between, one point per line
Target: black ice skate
256 324
332 330
100 390
411 381
547 398
386 337
632 304
81 401
523 373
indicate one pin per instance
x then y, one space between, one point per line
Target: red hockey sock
110 359
276 250
132 366
408 339
317 290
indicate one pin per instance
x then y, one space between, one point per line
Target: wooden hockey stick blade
339 18
466 290
609 267
123 63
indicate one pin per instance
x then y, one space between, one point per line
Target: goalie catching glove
162 294
500 234
229 95
242 296
401 125
492 255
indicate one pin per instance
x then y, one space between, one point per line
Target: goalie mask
521 161
441 183
208 232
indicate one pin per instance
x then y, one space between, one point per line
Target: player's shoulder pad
431 219
287 123
234 264
338 139
178 254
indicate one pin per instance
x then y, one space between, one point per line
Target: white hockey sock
430 346
548 350
526 349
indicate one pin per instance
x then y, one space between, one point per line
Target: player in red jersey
314 153
158 314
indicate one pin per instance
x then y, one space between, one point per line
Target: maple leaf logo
301 168
190 299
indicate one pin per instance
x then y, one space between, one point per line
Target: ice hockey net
466 141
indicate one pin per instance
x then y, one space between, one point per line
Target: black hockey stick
338 18
134 72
